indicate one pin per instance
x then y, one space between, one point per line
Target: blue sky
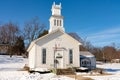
97 21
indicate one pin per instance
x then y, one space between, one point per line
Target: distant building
87 60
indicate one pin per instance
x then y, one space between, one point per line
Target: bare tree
32 29
109 52
8 34
97 51
87 45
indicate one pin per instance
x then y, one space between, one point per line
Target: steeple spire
56 20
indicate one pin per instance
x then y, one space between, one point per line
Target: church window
43 56
70 56
54 22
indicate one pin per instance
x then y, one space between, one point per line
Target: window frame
43 55
70 56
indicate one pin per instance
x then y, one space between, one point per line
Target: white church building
57 48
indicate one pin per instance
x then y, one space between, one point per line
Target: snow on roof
86 54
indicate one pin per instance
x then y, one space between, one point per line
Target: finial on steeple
53 3
60 4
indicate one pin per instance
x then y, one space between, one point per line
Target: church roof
57 30
75 36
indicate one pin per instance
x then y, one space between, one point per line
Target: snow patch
13 63
113 68
9 70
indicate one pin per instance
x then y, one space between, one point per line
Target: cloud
110 31
105 36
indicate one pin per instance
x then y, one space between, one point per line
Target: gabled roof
86 54
57 30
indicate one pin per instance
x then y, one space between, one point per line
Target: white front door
59 58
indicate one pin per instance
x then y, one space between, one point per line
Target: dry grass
25 68
78 77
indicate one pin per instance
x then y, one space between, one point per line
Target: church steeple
56 20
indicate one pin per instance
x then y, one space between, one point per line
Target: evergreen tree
19 47
43 33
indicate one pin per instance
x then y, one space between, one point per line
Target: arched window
70 56
43 56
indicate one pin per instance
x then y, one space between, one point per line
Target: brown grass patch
78 77
25 68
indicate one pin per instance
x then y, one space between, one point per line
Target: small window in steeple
57 22
60 22
54 22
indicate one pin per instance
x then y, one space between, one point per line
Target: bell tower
56 20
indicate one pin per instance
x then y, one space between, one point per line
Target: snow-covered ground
112 68
12 64
10 69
